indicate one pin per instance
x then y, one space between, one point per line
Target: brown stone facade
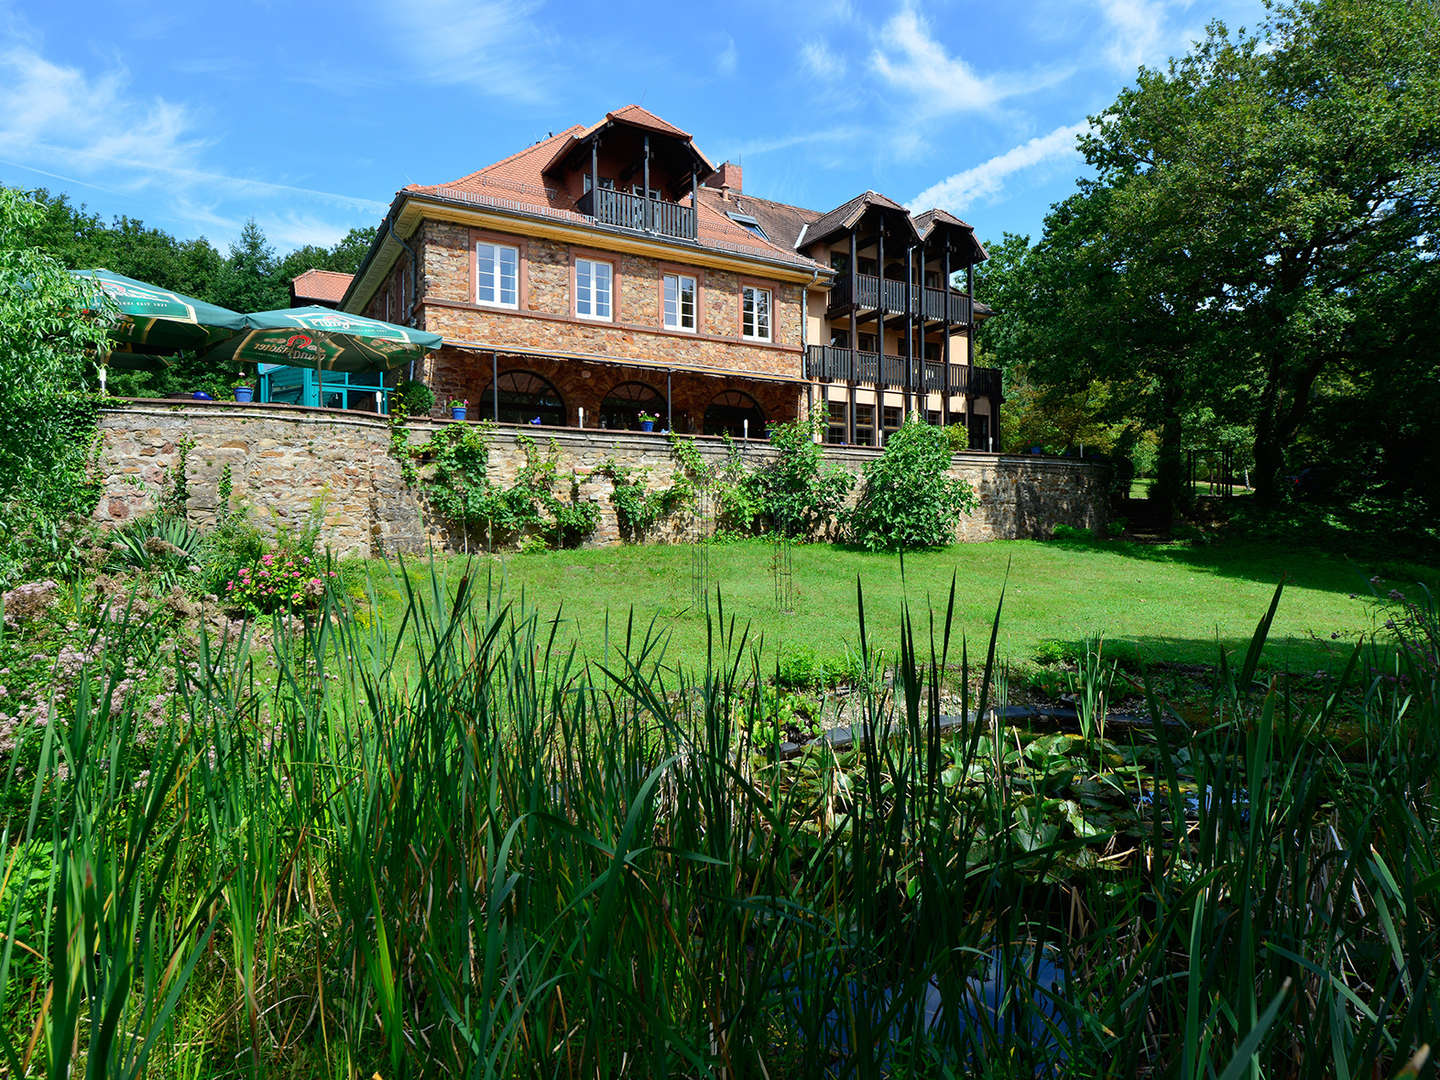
289 461
545 319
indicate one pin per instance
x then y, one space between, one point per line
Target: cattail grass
451 845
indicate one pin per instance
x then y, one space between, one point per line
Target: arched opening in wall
622 407
729 411
525 398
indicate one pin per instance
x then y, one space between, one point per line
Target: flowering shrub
280 581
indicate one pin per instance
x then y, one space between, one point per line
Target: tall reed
452 845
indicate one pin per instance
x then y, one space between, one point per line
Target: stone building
611 271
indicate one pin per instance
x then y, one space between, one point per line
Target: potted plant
244 391
647 421
458 407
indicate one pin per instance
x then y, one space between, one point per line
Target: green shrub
227 548
959 436
796 494
1073 534
907 498
412 397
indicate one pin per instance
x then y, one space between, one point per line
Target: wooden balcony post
694 230
669 398
854 339
647 210
878 434
945 338
595 178
970 354
911 390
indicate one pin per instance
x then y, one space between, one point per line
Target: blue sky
195 117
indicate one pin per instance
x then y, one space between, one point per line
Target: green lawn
1173 601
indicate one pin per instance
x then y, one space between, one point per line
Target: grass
502 862
1173 602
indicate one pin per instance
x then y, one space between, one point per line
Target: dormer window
748 223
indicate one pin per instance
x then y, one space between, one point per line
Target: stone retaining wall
287 460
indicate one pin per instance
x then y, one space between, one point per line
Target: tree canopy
1259 216
249 277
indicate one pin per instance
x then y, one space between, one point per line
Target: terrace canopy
325 339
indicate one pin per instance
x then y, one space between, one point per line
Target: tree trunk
1168 491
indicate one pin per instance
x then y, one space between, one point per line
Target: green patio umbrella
329 340
161 321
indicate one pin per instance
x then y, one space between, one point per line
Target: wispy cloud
822 61
986 180
790 142
1137 31
911 58
728 58
495 47
65 123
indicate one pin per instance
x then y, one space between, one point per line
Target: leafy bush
412 397
804 669
796 494
959 437
281 581
907 498
460 490
1073 534
225 550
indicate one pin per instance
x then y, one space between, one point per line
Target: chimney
726 178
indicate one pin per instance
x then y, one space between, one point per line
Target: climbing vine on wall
529 511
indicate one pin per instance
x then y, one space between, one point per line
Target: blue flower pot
457 414
647 425
244 393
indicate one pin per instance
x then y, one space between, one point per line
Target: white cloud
822 61
728 58
94 130
789 142
986 180
1138 28
912 59
493 46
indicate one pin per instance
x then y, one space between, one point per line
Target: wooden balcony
638 213
888 372
938 305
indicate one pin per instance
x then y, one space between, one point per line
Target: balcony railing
939 305
872 369
639 213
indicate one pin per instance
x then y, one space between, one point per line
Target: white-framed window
594 285
679 302
497 275
755 316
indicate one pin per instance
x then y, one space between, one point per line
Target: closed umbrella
325 339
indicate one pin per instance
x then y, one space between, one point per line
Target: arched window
622 407
524 398
728 413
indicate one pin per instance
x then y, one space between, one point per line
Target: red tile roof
518 182
320 286
634 114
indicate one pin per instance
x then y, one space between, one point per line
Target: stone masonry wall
545 320
287 460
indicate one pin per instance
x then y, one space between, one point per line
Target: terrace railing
639 213
938 305
833 364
